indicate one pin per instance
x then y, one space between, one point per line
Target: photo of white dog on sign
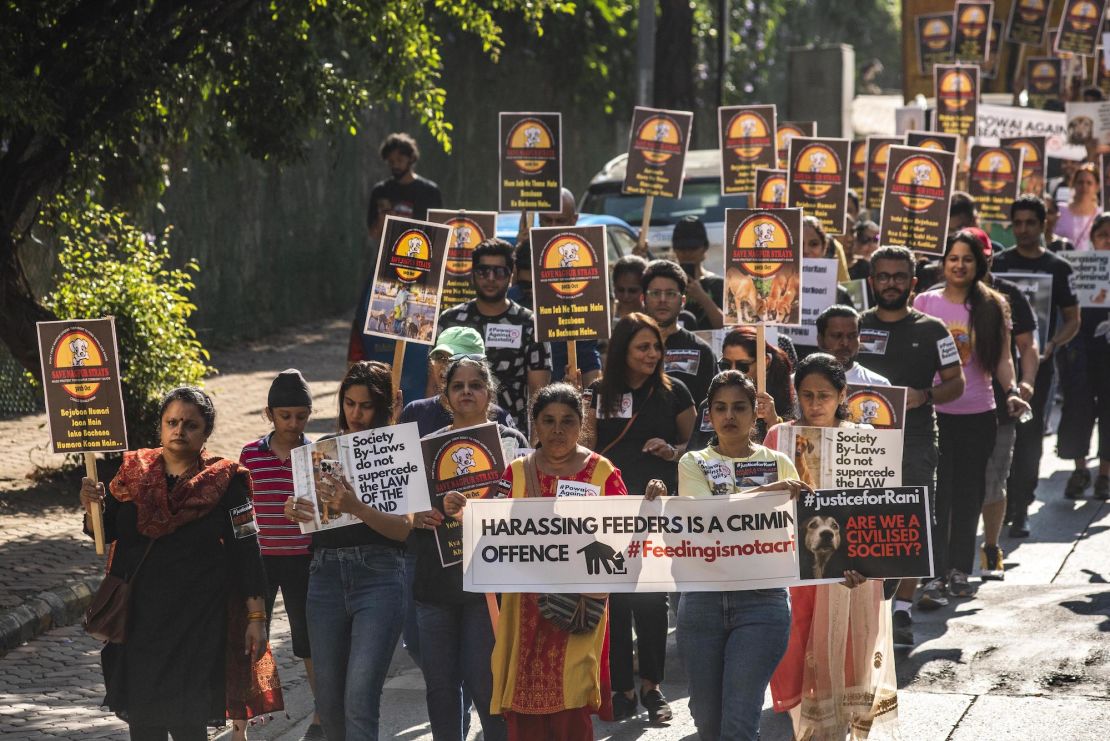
822 554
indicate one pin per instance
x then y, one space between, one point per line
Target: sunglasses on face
744 366
497 271
467 356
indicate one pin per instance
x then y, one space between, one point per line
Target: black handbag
106 616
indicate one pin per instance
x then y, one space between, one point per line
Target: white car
701 197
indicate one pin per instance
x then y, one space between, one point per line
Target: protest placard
786 131
857 168
770 188
530 161
1091 279
1032 161
384 466
570 283
657 145
934 40
819 290
715 338
857 291
746 138
1104 193
1044 78
81 385
878 151
628 544
882 407
994 180
405 297
933 140
883 533
999 121
915 201
1080 23
1028 22
844 457
1037 287
1089 125
1102 75
971 26
956 88
994 48
468 230
818 180
763 266
469 461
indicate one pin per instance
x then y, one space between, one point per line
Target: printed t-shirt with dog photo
689 358
706 473
909 352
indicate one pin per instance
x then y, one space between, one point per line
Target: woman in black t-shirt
641 420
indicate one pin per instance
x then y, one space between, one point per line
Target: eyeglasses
892 277
658 293
497 271
744 366
440 357
468 356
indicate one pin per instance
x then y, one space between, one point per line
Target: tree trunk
674 56
18 308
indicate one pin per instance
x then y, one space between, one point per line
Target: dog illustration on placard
599 555
818 161
531 137
568 255
921 174
79 350
464 460
662 131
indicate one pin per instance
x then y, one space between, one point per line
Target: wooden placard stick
572 358
760 358
398 363
641 243
95 511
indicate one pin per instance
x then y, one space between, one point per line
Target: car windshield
701 198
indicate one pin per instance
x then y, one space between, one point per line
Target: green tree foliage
109 267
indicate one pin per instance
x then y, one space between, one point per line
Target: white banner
1091 279
819 293
844 457
628 544
996 121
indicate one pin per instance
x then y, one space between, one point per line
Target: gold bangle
257 615
256 619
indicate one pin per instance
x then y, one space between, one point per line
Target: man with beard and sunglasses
522 365
910 349
403 193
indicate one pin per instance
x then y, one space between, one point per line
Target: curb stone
53 608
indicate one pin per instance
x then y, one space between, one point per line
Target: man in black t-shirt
404 193
705 290
686 356
1027 215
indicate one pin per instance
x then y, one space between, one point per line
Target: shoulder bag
106 616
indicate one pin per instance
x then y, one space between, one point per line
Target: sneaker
958 585
990 563
1078 482
903 628
1018 526
933 595
315 732
624 707
658 709
1102 488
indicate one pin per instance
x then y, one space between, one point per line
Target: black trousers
966 442
198 732
1085 379
650 613
1021 487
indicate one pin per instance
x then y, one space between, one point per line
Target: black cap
689 233
289 389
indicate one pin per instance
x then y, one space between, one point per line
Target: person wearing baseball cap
705 291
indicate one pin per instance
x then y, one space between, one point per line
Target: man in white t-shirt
838 335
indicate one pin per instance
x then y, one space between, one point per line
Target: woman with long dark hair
1078 215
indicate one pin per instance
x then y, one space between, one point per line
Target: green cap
460 341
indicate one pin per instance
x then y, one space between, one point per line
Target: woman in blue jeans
356 577
732 641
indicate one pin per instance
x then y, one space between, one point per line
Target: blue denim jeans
731 643
355 607
410 632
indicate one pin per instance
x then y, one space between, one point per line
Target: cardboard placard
746 138
657 145
1032 161
882 407
848 457
994 180
1089 125
530 161
1102 75
628 544
956 88
915 203
469 461
81 385
819 279
1080 23
934 40
786 131
384 466
857 168
405 299
818 180
878 151
570 283
994 47
770 188
1091 279
881 533
971 26
1104 193
1037 288
468 230
1028 22
763 261
857 291
1001 121
933 140
1044 81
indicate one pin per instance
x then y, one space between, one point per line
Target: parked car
621 237
701 197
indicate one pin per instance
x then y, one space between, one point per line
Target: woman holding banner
732 641
1077 216
641 419
454 625
181 528
356 577
830 679
548 681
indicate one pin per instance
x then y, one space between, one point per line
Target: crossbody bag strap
628 426
146 553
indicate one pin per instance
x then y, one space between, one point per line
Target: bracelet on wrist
256 616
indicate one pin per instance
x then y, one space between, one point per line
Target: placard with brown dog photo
763 259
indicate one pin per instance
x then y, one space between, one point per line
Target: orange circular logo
1031 10
994 170
747 135
465 463
918 183
956 88
773 192
784 134
879 159
859 161
78 364
1031 158
973 21
936 34
1043 77
868 408
658 139
411 256
465 236
568 265
530 145
816 169
762 244
935 144
1084 16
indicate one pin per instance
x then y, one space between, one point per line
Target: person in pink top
978 319
1078 214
